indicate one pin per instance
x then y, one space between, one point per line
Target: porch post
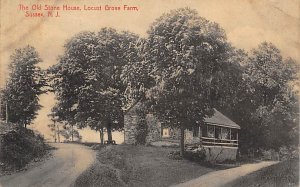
237 138
221 134
214 135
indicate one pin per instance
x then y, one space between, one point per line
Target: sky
246 22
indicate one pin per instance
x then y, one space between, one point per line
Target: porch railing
219 142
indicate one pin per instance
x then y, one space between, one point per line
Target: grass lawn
128 165
283 174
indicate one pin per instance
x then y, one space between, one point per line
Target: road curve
67 163
222 177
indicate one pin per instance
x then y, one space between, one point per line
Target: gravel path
67 163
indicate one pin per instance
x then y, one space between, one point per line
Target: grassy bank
127 165
18 147
283 174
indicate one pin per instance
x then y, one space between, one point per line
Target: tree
187 53
97 126
87 79
54 127
266 104
24 86
68 132
275 108
69 75
117 50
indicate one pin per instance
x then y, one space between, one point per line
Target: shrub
19 146
287 153
142 128
175 155
196 154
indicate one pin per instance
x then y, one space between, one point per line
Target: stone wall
130 130
154 129
131 123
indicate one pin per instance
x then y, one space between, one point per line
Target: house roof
219 119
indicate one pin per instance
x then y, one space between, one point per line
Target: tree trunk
55 132
58 134
181 141
72 136
6 112
109 134
55 136
101 136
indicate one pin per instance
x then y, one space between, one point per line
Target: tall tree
266 104
87 79
187 53
68 77
270 79
24 86
116 50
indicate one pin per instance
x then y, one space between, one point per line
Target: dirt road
68 161
222 177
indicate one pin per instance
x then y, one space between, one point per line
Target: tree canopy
183 69
187 54
267 103
24 86
87 79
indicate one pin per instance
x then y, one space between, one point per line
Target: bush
175 155
195 154
19 146
270 154
192 153
287 153
142 127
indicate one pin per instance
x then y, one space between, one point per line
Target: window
225 133
234 134
204 130
218 132
210 131
165 132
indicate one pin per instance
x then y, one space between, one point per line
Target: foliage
186 53
180 72
142 127
53 129
24 86
68 132
19 146
87 79
61 128
265 102
197 155
276 107
175 155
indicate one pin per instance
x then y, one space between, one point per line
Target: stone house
218 135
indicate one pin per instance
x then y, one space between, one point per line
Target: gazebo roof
219 119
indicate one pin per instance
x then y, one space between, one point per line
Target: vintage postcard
149 93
